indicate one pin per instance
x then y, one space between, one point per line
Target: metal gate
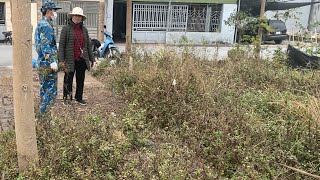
90 9
151 22
178 18
150 17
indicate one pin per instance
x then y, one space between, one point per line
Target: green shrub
81 148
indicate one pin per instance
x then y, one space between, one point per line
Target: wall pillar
101 19
227 32
39 15
8 16
109 15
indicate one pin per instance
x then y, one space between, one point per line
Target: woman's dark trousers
79 71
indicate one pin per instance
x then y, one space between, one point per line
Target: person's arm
90 51
62 44
46 37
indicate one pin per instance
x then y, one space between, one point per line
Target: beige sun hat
77 11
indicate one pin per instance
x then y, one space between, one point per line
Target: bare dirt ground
6 105
100 100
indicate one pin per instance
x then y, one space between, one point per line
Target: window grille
2 13
215 18
191 18
215 23
179 17
150 17
65 6
62 18
204 18
197 18
90 9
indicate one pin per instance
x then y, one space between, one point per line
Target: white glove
54 66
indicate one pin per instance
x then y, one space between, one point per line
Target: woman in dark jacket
75 52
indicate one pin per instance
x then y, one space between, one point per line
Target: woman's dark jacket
66 45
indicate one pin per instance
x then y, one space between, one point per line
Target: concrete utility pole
262 11
129 26
23 84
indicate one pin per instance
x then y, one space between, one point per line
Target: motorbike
107 49
7 37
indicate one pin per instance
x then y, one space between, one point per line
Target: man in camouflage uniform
46 48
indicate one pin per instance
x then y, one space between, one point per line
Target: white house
167 21
5 17
154 21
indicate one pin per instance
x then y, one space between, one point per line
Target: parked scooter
7 37
107 50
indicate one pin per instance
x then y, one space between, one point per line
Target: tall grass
241 116
188 119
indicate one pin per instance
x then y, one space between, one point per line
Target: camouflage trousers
48 91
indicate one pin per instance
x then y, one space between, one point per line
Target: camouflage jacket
45 43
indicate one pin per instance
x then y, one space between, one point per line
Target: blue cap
49 4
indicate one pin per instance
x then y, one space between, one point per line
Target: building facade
5 17
93 9
170 21
314 17
200 22
154 21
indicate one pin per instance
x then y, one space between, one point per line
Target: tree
239 20
23 85
247 25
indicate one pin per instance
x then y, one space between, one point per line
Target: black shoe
66 102
81 102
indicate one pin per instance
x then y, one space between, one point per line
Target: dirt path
99 98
